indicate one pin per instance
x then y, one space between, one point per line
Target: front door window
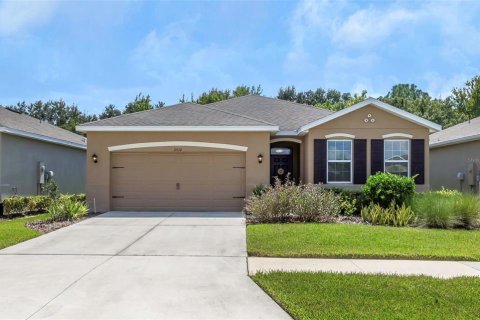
281 163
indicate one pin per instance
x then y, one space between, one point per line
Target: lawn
15 231
353 296
361 241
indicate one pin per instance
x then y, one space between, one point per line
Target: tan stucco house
455 157
190 157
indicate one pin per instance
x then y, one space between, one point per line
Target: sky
99 53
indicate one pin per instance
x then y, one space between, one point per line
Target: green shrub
352 201
16 205
67 209
51 189
395 215
435 210
291 202
386 188
74 197
259 189
467 209
33 204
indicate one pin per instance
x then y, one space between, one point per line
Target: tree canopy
461 105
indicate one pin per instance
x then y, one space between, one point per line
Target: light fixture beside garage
260 158
94 158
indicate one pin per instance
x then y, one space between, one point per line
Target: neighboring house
190 157
26 144
455 157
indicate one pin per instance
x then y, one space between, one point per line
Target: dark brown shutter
359 161
320 161
376 164
418 160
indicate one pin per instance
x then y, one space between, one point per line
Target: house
190 157
30 149
455 157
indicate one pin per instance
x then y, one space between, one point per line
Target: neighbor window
397 157
339 161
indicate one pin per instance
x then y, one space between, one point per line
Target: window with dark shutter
376 160
418 160
319 160
359 161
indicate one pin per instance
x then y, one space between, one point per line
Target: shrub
467 209
395 215
33 204
352 201
67 209
74 197
386 188
259 189
288 201
51 189
435 210
16 205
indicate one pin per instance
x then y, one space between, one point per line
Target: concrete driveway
123 265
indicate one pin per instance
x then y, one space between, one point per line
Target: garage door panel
207 181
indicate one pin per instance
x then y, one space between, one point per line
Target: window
280 151
339 161
397 157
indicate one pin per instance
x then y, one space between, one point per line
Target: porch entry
284 161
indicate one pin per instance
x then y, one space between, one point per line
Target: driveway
122 265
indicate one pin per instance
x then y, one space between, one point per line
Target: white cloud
370 25
18 16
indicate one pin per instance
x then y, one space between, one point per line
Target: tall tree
142 103
467 98
109 112
215 95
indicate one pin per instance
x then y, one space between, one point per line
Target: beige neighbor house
190 157
455 157
30 148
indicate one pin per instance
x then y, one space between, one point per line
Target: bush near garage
23 205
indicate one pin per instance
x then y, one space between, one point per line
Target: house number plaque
177 149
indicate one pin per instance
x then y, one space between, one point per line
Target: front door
281 163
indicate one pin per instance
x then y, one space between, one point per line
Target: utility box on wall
470 176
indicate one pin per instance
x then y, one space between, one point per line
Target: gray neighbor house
29 148
455 157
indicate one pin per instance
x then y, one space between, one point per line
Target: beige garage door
178 181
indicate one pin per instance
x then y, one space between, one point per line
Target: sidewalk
439 269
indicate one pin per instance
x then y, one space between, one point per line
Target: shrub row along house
190 157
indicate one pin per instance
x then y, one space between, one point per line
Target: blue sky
97 53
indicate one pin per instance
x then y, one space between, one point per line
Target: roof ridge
297 103
237 114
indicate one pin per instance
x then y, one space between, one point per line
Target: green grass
354 296
361 241
15 231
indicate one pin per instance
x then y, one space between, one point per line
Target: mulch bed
320 219
47 226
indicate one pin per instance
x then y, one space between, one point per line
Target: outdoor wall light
260 158
95 158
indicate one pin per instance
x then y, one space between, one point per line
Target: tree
216 95
109 112
288 93
467 99
141 103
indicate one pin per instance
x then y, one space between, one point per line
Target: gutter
439 144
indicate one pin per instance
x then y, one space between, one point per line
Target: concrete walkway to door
132 265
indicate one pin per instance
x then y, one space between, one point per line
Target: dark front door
281 163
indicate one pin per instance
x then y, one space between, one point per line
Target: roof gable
379 104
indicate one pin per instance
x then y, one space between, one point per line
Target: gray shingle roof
183 114
24 123
242 111
465 131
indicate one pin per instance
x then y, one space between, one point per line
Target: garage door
177 181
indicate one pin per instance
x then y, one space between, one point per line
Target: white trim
40 137
438 144
382 105
290 133
286 140
409 155
397 135
176 128
177 144
340 135
342 161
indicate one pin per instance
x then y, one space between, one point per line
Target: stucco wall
98 174
447 161
19 165
353 123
